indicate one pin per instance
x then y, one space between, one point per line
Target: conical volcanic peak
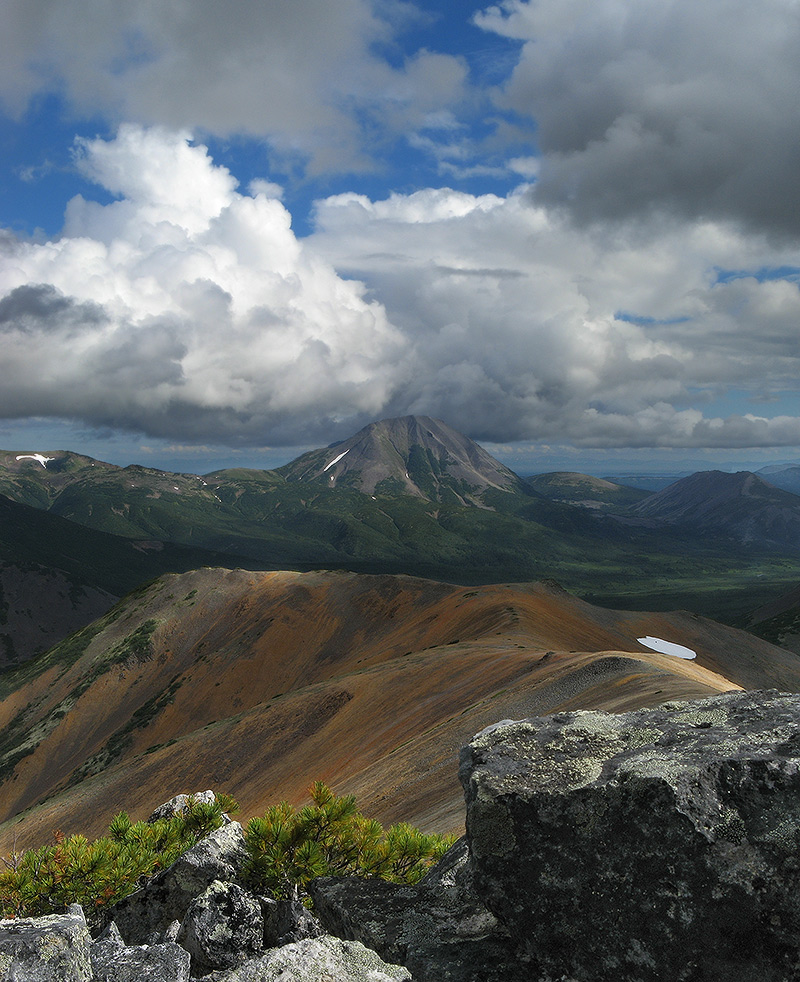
415 455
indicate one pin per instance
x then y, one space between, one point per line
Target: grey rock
53 948
651 845
106 946
222 928
439 928
286 921
111 937
179 804
149 911
323 959
140 963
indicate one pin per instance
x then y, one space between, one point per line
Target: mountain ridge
261 682
742 505
455 526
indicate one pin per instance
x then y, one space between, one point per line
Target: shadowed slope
741 505
260 683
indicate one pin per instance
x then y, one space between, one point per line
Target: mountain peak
416 455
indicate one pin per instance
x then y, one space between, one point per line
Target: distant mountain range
411 495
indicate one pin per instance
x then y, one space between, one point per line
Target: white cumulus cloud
521 326
186 309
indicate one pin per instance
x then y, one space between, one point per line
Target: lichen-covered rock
148 912
323 959
286 921
54 948
140 963
439 928
656 844
179 804
222 928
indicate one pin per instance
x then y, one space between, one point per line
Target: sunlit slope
260 683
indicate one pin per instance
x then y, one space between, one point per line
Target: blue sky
569 228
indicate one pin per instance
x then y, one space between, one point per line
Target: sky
231 231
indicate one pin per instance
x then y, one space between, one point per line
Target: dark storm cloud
685 105
41 303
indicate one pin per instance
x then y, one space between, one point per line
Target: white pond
667 647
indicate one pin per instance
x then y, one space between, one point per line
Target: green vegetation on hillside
97 874
280 520
287 848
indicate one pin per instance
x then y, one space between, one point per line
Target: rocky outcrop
656 844
439 929
147 913
222 927
54 948
661 844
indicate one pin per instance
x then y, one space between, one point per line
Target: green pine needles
97 874
332 838
287 847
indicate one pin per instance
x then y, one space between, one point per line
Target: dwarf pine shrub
96 874
288 848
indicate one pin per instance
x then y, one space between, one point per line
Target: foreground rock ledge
651 845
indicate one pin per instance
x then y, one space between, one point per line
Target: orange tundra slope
260 683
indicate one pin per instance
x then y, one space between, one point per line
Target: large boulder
323 959
222 928
656 844
439 928
140 963
53 948
146 914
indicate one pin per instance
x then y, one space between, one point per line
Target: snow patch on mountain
667 647
35 456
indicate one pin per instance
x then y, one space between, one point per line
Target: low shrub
332 838
97 874
288 847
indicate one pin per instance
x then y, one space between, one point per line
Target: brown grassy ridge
259 683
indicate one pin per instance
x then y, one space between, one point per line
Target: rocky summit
658 844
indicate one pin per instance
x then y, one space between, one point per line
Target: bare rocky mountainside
414 455
260 683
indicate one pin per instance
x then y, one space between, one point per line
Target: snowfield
667 647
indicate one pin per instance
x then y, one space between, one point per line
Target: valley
413 496
355 617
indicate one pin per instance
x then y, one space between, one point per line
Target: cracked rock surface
656 844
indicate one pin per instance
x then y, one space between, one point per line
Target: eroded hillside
260 683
